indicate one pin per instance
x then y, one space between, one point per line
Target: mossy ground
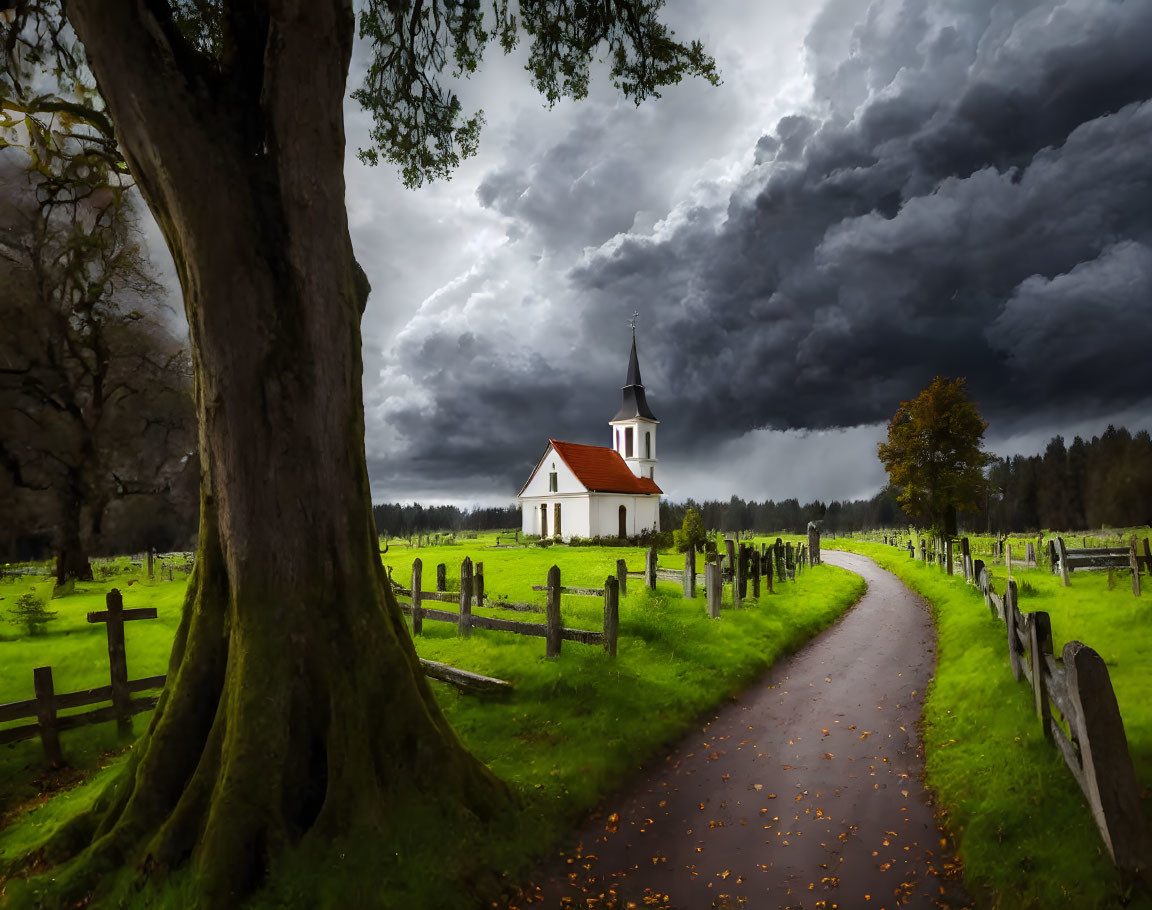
1024 830
574 729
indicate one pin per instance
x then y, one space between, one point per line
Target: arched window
627 442
648 445
556 520
623 521
544 521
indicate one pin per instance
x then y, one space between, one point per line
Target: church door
623 521
544 521
556 520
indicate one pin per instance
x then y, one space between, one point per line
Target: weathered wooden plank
464 679
445 597
622 577
584 592
464 627
1040 646
1109 775
17 710
134 613
583 636
663 574
538 629
1067 749
518 606
83 697
147 682
103 715
435 615
688 579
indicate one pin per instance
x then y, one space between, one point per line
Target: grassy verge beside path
1024 829
574 729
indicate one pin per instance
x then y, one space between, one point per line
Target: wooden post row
650 568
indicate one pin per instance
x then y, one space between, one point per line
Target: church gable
602 470
552 476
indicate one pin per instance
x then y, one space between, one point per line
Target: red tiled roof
601 469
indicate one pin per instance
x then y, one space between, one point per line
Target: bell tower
634 426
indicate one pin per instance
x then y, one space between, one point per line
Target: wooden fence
551 630
1088 732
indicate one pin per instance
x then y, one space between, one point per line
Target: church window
552 484
647 445
627 442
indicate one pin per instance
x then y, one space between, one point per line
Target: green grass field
1024 830
575 728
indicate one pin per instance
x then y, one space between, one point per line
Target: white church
596 491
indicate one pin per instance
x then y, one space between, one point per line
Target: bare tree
95 393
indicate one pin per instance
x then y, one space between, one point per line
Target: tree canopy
933 455
296 730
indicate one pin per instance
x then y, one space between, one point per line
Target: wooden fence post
417 610
965 557
465 622
730 549
766 569
1109 776
151 558
712 587
118 659
552 614
738 579
1011 616
622 577
441 577
781 572
1040 644
789 560
478 583
948 556
1062 553
611 615
650 569
46 714
1135 564
690 572
755 572
923 551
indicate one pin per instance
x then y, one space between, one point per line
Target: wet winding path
807 792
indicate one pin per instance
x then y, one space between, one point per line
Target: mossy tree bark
295 706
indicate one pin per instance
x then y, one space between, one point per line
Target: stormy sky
881 191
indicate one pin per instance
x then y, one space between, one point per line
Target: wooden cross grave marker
115 616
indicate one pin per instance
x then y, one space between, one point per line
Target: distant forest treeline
1106 481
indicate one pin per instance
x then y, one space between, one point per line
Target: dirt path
805 793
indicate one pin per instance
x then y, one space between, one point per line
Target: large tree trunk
295 708
71 554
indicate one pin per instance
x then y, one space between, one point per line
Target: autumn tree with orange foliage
934 454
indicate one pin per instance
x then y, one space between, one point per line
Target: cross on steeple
632 322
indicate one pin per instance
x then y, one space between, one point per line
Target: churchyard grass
574 729
1024 830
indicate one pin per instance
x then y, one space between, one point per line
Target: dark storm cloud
970 194
995 227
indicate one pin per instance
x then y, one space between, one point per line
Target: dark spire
634 403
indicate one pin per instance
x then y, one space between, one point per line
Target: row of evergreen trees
1105 481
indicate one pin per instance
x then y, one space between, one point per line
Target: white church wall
566 481
643 514
574 515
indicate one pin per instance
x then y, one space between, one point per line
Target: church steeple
634 426
634 403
